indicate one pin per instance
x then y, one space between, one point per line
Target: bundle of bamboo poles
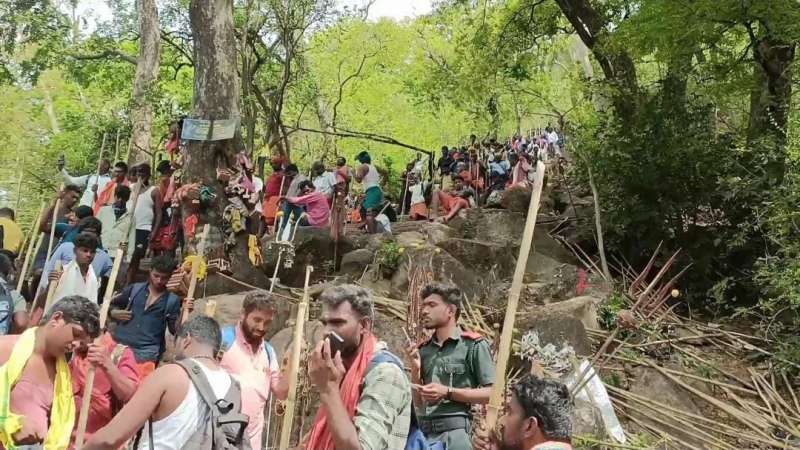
757 411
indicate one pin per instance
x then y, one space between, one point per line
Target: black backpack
6 308
225 427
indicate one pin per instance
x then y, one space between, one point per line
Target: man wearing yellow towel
37 407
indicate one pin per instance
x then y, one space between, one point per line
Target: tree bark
216 96
618 67
147 67
770 99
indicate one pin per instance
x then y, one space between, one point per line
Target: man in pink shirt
314 203
116 379
252 361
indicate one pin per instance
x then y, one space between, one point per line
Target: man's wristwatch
449 393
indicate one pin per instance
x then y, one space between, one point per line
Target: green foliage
608 310
389 256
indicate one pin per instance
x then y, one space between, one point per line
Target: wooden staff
201 248
51 288
294 366
89 385
54 218
31 241
280 194
116 149
99 161
405 193
499 387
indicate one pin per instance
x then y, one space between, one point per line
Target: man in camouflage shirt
450 372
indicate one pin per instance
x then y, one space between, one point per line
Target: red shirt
273 185
101 409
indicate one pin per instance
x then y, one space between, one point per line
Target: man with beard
539 417
454 368
365 398
252 361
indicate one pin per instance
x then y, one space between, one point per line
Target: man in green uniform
450 372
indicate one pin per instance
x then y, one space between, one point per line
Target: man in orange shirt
119 176
116 379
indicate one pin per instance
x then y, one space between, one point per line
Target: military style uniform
463 360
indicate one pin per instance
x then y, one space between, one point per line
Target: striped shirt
383 414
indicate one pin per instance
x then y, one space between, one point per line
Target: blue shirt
144 333
101 264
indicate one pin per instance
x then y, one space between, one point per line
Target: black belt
436 426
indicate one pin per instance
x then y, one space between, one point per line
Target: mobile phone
336 341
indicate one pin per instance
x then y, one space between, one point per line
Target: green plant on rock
389 256
607 312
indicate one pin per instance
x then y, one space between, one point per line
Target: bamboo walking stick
294 366
31 244
89 385
499 387
201 248
51 289
53 220
97 174
116 148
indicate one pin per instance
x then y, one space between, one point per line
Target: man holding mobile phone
454 370
365 398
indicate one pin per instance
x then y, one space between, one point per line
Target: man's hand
411 353
188 303
98 356
433 392
124 246
326 372
121 315
27 436
483 440
54 275
94 188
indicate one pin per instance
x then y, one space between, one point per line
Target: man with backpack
252 361
13 309
365 397
193 404
144 311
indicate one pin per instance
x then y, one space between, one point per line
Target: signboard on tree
209 130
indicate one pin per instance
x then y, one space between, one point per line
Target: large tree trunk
216 96
618 67
147 67
770 99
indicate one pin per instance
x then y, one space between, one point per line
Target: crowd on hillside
51 341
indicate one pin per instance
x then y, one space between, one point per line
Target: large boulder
558 331
484 257
651 384
447 268
436 232
311 245
564 321
410 239
354 262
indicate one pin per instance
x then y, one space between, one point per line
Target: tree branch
165 37
363 135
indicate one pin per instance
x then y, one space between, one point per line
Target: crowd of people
370 398
367 401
